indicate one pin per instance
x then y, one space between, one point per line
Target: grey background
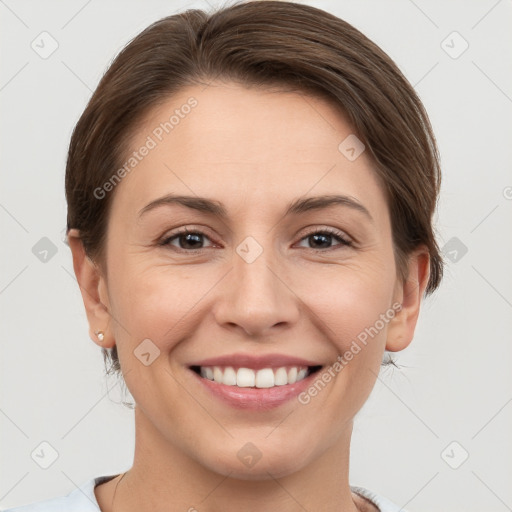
455 380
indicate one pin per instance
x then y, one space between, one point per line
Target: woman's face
258 277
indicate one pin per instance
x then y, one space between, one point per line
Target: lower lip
256 398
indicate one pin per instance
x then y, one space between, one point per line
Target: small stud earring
100 335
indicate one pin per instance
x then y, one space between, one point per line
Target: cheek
156 301
351 302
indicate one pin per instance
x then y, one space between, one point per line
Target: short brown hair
263 43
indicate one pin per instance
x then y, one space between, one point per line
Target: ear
409 294
93 289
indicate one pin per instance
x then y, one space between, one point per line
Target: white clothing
83 499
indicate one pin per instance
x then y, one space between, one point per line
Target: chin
250 462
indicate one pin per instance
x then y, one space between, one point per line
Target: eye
187 240
190 240
325 236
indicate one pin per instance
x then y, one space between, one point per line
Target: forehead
245 147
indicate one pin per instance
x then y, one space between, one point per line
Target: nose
257 296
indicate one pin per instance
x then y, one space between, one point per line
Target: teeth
217 374
302 373
245 378
248 378
280 377
229 377
207 372
265 378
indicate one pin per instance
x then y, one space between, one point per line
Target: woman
250 202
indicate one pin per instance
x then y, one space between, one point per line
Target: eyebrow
300 205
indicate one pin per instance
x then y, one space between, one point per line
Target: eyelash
344 241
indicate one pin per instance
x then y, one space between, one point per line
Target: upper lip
255 362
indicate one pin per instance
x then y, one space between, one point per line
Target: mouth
254 389
262 378
253 381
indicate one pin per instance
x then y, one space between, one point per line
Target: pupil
316 237
188 236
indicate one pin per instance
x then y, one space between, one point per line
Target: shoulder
380 502
81 499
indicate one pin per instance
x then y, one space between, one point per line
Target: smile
252 378
254 389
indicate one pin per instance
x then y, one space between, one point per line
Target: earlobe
409 294
90 280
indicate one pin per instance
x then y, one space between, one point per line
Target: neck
162 475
